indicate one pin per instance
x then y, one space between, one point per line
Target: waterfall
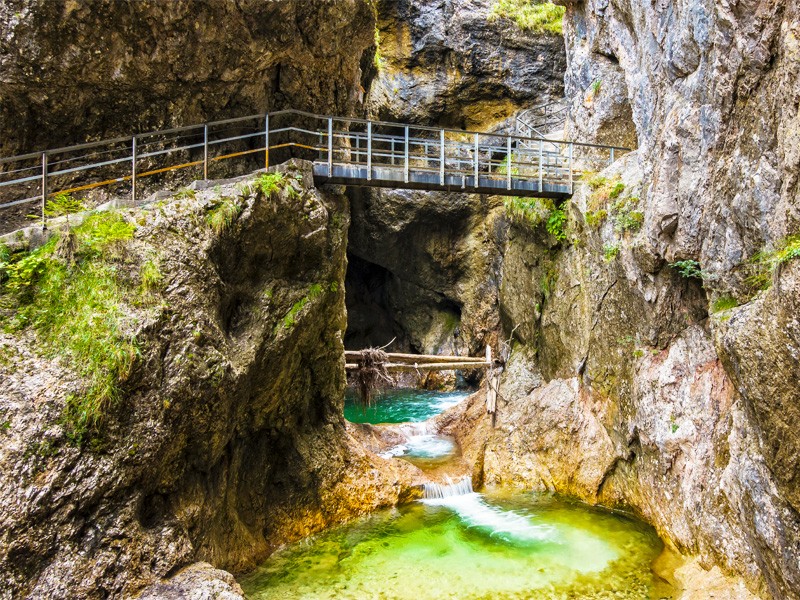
435 491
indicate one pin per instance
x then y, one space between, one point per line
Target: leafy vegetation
536 211
76 310
689 269
595 218
529 15
290 319
556 224
595 87
150 275
60 205
269 183
610 252
764 263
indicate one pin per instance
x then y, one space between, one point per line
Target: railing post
475 161
205 152
571 187
266 141
508 168
44 189
541 164
330 146
392 150
612 155
441 156
369 150
133 172
405 167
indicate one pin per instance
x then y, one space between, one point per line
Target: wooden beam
417 358
428 366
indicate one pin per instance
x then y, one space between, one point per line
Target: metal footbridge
349 151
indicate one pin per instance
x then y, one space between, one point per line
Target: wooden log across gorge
397 361
423 362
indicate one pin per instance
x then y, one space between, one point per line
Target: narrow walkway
344 150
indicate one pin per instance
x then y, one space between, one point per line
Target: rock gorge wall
77 71
629 385
426 265
229 439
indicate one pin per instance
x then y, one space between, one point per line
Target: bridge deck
346 151
394 177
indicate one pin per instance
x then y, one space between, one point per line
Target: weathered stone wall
76 71
229 439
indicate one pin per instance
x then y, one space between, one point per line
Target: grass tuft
224 213
537 17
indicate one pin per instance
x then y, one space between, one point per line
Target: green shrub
538 17
528 211
60 205
269 183
689 269
610 252
556 224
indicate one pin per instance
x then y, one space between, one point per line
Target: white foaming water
475 512
442 404
429 445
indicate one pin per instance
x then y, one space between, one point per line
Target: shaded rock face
230 439
426 265
446 63
72 71
424 271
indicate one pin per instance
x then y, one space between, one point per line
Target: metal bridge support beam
475 162
133 172
441 156
508 169
405 158
44 189
330 147
541 164
571 186
205 152
266 141
369 151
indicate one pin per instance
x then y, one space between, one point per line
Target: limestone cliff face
631 384
229 439
73 71
448 63
426 265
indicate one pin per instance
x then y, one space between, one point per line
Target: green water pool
474 546
401 406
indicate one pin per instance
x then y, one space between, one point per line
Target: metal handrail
472 156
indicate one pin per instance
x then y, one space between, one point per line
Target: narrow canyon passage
460 543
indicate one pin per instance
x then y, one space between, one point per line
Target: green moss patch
75 305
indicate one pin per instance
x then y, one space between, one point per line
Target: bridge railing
366 152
